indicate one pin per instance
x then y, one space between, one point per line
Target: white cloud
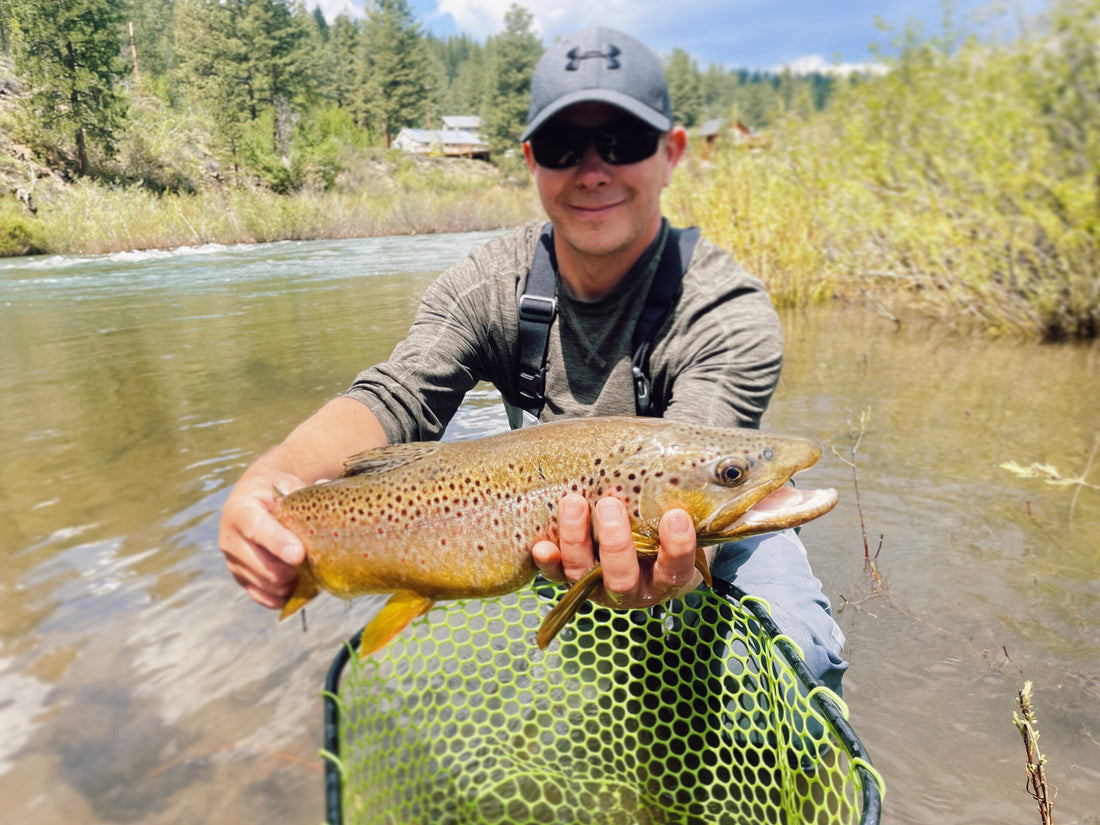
810 63
334 8
482 18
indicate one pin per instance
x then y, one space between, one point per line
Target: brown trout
437 521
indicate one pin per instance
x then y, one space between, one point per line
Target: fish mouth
780 509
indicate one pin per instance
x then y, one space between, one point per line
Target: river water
139 684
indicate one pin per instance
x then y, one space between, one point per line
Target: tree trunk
74 102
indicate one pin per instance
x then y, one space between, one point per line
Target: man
601 146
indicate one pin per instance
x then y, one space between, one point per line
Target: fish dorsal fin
390 457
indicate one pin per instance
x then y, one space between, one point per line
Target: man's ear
675 145
529 156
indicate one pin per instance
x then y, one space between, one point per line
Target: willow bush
962 179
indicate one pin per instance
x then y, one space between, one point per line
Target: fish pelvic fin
304 591
567 606
702 566
402 607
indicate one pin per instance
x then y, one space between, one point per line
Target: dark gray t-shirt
715 360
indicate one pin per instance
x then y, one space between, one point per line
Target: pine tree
515 52
394 75
273 43
67 52
684 88
5 26
208 55
344 46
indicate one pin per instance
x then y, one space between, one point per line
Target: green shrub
17 230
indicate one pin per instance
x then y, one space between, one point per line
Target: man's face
600 209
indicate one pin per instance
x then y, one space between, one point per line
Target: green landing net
697 711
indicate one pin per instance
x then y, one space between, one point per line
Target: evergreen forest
171 94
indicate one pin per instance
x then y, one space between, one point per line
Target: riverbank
385 194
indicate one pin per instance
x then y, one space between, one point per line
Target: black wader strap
666 283
538 307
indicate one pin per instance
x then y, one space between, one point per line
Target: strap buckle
538 308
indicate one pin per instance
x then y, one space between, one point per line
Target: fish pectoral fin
702 566
402 607
568 605
389 457
304 591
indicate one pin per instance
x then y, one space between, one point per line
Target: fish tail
304 591
402 607
702 566
567 606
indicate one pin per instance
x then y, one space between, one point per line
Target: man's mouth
594 209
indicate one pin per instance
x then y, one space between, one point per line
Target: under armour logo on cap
576 56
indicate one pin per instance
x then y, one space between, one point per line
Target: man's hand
627 582
259 551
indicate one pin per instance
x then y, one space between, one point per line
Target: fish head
733 483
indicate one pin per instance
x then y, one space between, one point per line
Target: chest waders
695 711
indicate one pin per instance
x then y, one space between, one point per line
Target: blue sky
758 34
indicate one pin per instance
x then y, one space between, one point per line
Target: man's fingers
675 565
260 552
547 558
261 528
575 536
618 556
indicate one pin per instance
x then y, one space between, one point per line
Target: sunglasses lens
563 148
623 146
559 148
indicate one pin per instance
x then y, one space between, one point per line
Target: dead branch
1028 726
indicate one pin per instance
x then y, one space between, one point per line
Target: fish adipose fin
304 591
402 607
568 605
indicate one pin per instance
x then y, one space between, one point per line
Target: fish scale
438 521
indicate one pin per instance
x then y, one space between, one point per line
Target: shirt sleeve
719 360
459 336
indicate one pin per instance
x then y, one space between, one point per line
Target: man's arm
260 553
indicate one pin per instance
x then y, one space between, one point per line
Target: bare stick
1028 726
854 440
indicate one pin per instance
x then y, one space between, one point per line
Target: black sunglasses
560 147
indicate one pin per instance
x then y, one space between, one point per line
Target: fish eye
730 472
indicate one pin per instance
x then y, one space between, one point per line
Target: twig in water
1028 726
1052 475
854 440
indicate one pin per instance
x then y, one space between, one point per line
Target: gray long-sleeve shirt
715 360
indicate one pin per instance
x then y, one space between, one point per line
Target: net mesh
683 713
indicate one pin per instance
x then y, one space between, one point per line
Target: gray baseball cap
599 65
